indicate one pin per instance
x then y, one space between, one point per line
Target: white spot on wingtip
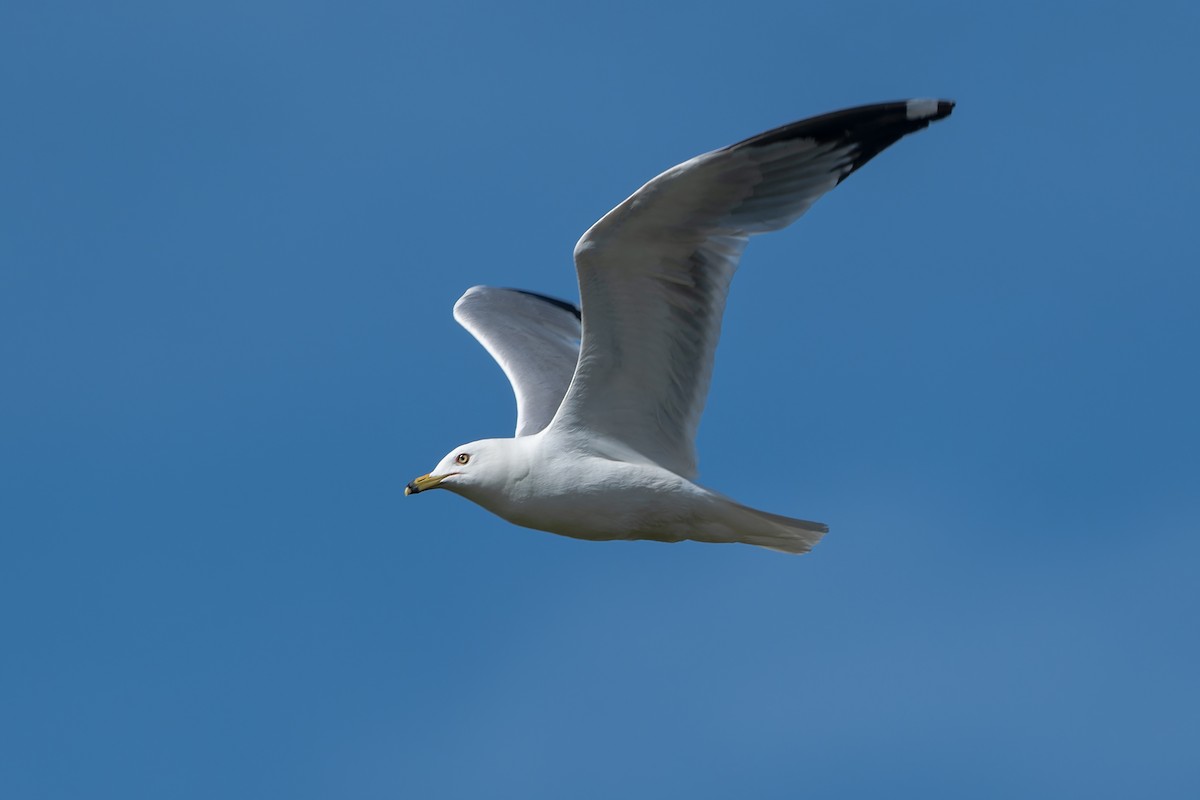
919 109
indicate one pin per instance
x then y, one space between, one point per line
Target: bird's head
468 469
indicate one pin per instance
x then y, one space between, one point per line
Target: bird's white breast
590 496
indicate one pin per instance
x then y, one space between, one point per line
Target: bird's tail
785 534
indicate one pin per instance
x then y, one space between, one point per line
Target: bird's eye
462 458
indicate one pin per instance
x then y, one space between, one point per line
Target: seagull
609 394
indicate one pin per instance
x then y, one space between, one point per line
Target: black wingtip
871 129
554 301
880 121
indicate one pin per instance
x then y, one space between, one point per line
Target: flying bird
609 394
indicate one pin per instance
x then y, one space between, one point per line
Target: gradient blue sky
230 238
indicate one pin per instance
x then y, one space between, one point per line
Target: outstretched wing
534 339
654 271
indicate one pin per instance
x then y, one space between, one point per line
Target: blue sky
231 237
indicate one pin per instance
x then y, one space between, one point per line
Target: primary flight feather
609 395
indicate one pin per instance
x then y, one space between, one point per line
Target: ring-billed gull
609 398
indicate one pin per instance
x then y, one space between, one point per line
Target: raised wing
654 271
534 339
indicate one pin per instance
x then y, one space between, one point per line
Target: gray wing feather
534 339
655 271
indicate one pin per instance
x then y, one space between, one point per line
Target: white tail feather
739 523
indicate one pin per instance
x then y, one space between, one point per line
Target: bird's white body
572 494
609 396
605 492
